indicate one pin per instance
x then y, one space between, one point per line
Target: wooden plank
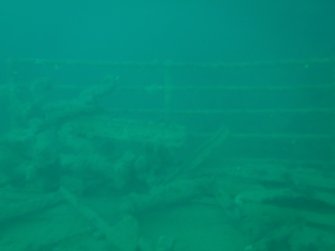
213 65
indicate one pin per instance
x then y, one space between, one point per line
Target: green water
167 126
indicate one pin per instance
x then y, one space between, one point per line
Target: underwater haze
168 30
167 125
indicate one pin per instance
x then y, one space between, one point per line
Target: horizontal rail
278 160
219 87
227 111
232 88
272 136
244 162
160 64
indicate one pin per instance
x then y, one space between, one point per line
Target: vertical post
9 93
167 91
332 120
